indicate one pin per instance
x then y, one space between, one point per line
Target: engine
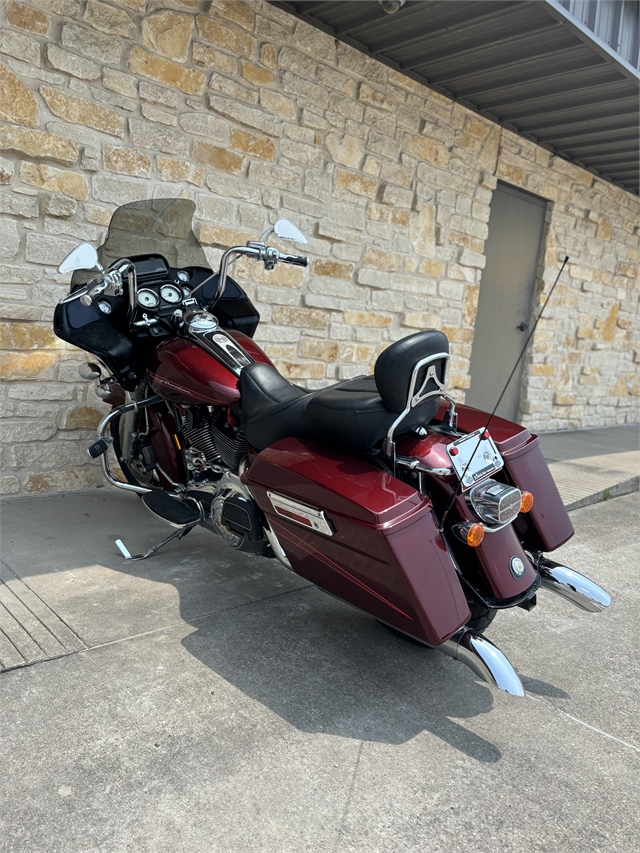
213 439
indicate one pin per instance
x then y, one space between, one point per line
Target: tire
117 433
481 616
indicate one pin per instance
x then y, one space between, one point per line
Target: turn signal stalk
470 534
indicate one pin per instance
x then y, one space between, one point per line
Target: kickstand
177 534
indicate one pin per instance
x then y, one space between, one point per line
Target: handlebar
112 281
296 260
259 252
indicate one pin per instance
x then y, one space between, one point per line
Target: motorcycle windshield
159 226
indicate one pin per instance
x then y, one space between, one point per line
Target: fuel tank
184 373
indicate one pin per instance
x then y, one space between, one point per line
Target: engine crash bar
102 427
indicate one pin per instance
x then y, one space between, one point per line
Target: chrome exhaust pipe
573 586
485 659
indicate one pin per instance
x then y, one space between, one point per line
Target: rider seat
409 377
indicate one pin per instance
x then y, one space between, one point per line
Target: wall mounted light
392 6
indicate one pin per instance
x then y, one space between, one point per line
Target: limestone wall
254 114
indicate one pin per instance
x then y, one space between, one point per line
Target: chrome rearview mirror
285 230
83 257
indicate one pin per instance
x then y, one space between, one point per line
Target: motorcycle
381 490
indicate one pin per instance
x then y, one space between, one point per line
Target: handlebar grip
99 287
296 260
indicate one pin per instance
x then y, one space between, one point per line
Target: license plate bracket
473 463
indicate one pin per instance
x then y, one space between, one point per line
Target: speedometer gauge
171 294
147 298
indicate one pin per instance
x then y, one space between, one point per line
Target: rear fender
494 557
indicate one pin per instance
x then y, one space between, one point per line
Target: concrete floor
209 701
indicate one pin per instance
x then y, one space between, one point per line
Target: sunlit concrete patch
595 478
63 548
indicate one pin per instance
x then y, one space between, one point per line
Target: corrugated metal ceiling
527 65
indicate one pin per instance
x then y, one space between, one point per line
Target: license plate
473 462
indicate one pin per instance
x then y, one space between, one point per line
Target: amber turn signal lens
475 535
526 502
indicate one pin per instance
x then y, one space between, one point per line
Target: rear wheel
481 616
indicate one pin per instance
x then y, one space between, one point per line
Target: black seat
354 415
271 405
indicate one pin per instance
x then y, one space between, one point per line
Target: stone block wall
256 115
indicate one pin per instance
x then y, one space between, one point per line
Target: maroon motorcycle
380 489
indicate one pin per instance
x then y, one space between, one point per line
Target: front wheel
134 469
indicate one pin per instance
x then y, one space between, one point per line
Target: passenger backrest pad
394 367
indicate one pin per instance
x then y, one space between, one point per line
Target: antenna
456 492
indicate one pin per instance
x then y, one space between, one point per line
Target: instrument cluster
167 294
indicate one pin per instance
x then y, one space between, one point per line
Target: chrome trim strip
294 511
573 586
483 658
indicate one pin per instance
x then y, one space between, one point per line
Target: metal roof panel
528 65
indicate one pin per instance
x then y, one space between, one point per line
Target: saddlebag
360 534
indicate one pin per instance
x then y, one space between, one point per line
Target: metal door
506 293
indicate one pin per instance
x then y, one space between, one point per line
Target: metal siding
616 22
512 250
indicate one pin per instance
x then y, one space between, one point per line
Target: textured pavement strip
30 630
594 478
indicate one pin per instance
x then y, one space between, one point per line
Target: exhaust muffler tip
484 659
573 586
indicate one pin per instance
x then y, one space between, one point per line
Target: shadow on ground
315 662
